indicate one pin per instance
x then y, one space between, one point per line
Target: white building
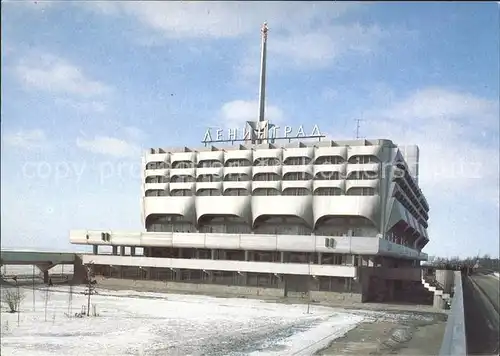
297 217
328 217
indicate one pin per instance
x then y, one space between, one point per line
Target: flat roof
295 143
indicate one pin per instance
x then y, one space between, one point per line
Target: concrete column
180 252
122 250
320 256
438 302
282 257
178 275
115 250
197 254
95 249
132 251
79 271
247 255
46 277
213 254
445 279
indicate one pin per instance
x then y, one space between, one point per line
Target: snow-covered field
135 323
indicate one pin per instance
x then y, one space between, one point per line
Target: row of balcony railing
326 191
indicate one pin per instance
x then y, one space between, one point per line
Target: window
209 163
363 159
236 192
330 242
327 176
156 193
208 178
156 179
266 177
329 160
297 176
238 163
208 192
181 193
182 179
157 165
265 192
266 162
328 191
297 161
296 191
361 191
183 164
237 177
363 175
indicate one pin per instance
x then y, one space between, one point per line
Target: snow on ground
136 323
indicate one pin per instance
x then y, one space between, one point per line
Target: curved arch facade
294 206
365 206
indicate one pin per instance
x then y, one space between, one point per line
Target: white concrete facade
317 184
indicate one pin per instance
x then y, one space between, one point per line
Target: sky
87 86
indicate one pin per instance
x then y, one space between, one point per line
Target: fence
454 340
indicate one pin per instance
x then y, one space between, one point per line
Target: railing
454 342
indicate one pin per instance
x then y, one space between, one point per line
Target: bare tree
91 284
13 298
70 299
46 300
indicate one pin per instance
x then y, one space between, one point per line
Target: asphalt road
490 285
481 304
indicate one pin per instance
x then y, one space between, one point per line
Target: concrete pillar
247 255
79 271
438 302
122 250
197 254
132 251
95 249
46 277
178 275
115 250
282 257
213 254
445 279
320 256
180 252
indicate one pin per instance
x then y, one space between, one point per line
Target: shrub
13 298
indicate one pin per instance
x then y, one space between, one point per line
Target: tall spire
262 88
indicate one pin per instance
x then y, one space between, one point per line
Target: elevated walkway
43 260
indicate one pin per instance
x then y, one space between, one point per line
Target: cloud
314 48
457 133
237 112
26 139
320 47
50 73
89 106
109 146
221 19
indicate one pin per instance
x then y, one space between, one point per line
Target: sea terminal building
331 219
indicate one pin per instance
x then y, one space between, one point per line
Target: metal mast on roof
262 89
